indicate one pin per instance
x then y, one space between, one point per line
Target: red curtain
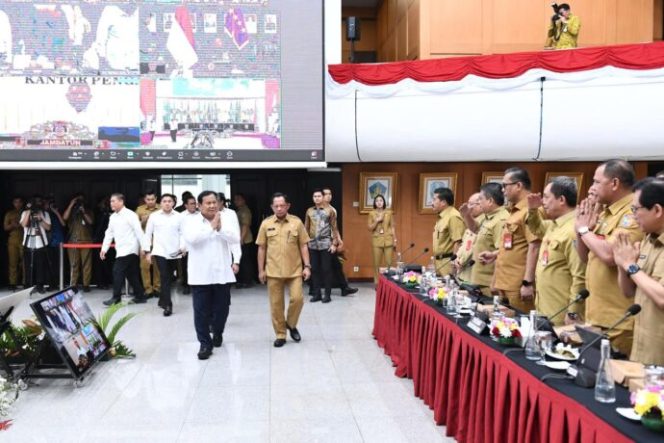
641 56
479 394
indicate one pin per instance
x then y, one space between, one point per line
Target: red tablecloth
479 394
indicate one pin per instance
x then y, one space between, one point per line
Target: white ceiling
359 3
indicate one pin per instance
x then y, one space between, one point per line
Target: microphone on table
446 261
412 265
547 325
584 376
411 246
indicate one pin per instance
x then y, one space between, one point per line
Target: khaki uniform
560 273
80 259
14 247
283 240
465 251
648 347
149 272
448 231
512 255
382 240
607 304
244 218
568 33
489 237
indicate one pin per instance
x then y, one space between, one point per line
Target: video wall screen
229 80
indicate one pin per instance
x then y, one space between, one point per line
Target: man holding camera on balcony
563 31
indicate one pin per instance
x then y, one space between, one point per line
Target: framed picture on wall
373 184
431 181
492 177
577 176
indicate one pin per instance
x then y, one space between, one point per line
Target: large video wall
161 80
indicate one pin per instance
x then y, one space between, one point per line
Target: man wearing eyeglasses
641 271
514 277
596 229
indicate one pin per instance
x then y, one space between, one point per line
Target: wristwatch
583 230
633 269
307 266
526 283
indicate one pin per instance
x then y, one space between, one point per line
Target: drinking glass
545 343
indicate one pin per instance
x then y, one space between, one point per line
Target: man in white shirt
162 236
125 229
35 223
213 246
190 209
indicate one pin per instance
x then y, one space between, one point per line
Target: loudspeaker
353 28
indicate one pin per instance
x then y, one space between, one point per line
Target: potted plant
118 348
438 295
506 331
649 404
411 279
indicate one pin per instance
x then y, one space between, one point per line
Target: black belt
443 256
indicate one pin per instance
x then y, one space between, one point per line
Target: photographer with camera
563 31
35 223
79 221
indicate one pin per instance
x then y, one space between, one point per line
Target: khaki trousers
382 256
514 298
151 282
276 291
15 255
622 339
80 259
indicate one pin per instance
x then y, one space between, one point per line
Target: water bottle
431 268
605 388
400 266
531 348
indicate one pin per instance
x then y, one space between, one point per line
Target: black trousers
211 306
35 265
338 270
166 269
247 272
321 269
127 267
103 269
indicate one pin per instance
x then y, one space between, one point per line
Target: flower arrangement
649 404
437 294
411 278
8 395
506 331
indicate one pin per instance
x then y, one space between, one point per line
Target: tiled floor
334 386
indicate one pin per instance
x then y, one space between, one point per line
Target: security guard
641 272
448 232
282 254
79 221
489 235
517 257
472 214
596 230
14 232
383 234
149 272
560 273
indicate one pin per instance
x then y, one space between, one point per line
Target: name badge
477 325
507 240
545 258
469 245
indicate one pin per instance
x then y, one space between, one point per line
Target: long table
481 394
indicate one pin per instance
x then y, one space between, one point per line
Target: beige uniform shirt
465 251
15 234
244 218
381 236
144 210
648 345
282 240
489 237
560 273
448 231
514 241
606 303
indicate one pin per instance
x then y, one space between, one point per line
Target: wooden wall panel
632 24
414 29
658 25
402 38
516 24
455 27
415 227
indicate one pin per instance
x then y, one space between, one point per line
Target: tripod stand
35 233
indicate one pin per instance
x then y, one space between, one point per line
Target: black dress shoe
139 300
348 290
217 340
279 342
12 287
315 298
86 288
168 310
327 299
112 301
186 290
294 333
204 353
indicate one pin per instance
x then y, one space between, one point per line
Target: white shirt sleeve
136 226
146 244
108 235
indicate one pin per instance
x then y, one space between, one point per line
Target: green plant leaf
105 318
118 325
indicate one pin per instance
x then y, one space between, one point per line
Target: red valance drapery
639 56
478 393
